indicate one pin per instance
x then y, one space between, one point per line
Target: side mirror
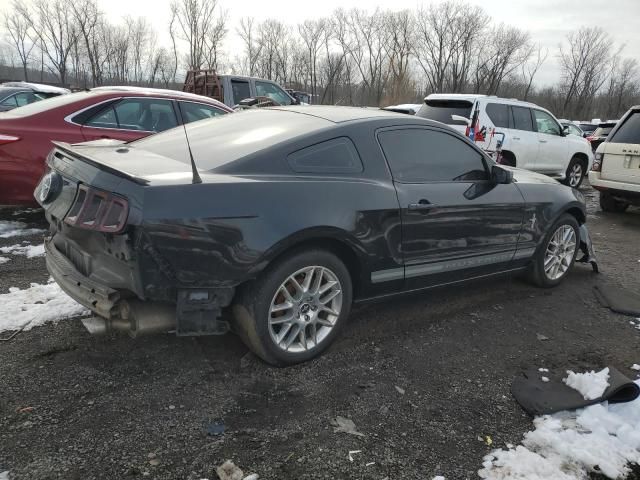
565 131
501 176
460 118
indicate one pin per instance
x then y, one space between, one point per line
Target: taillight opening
95 209
597 162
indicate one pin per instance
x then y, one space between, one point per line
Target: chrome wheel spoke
559 253
304 309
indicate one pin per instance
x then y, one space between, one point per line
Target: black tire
508 159
571 179
610 204
536 272
252 307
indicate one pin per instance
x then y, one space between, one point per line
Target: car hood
526 176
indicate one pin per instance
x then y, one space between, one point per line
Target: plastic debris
635 366
369 464
488 440
215 428
345 425
253 476
229 471
543 370
353 452
544 379
541 337
400 390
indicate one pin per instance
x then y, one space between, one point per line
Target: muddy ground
117 408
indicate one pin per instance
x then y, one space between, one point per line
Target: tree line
350 57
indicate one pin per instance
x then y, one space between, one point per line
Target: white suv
616 168
531 136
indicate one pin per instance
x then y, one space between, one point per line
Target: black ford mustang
287 216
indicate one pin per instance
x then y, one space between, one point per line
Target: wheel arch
334 240
510 158
583 158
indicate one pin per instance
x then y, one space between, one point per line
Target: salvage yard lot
74 406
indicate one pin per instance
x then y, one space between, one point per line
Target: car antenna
196 176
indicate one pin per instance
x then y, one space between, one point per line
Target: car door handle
515 138
422 205
543 141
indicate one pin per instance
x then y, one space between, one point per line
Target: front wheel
296 308
575 173
556 255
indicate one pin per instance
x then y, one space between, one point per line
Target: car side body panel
223 232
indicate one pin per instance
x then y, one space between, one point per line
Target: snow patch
37 305
635 366
591 385
29 251
4 475
3 260
17 229
601 438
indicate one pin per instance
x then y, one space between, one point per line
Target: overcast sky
548 20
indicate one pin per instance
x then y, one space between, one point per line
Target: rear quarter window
338 155
629 131
499 114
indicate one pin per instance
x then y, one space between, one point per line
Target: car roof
4 91
340 114
155 91
37 87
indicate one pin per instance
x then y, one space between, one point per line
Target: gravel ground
116 408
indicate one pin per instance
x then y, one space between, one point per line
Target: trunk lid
621 162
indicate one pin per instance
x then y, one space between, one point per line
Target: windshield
587 127
602 131
441 110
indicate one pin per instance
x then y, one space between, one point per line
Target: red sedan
121 113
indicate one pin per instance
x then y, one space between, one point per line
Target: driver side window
545 123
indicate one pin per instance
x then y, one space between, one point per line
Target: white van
531 136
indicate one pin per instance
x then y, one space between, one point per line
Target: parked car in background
232 89
600 134
407 204
616 168
530 137
18 94
122 113
587 127
572 129
406 108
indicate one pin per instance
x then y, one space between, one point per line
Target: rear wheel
295 309
610 204
556 255
575 172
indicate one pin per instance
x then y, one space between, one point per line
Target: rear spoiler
74 155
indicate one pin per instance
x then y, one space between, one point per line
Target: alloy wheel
575 175
304 309
560 251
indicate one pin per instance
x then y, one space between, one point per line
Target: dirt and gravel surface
117 408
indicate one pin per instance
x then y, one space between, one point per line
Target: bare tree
505 50
57 33
247 32
202 27
18 25
585 62
400 28
446 45
312 32
530 69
